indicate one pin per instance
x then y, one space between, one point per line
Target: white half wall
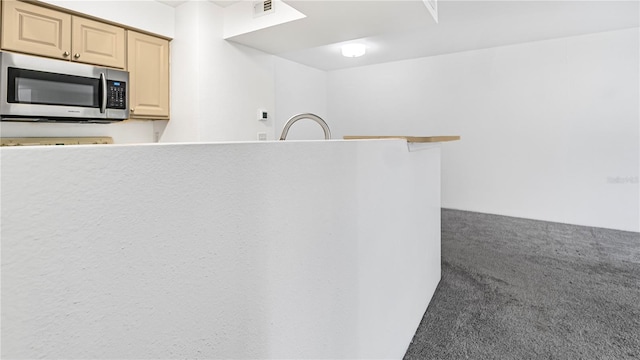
550 129
217 86
300 89
218 251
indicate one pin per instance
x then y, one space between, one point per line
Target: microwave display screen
38 87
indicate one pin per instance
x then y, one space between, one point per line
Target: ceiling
224 3
403 29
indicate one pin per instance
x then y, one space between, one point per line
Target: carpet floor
522 289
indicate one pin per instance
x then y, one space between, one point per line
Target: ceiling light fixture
353 50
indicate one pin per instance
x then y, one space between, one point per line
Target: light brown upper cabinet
41 31
35 30
148 66
97 43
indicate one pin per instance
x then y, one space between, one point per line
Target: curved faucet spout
316 118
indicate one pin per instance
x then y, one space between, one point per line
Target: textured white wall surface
550 129
240 250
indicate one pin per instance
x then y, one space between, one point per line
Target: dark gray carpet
522 289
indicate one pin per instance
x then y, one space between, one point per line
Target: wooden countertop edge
417 139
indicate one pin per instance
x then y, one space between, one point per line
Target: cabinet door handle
76 55
66 54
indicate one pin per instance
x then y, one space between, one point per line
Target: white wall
218 251
550 129
148 15
217 87
185 86
300 89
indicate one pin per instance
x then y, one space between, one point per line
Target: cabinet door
148 65
35 30
97 43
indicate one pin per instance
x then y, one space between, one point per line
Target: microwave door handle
103 84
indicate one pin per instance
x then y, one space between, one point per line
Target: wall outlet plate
263 115
262 136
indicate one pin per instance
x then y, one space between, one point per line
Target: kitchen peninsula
290 249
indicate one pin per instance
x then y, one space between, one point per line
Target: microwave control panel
116 94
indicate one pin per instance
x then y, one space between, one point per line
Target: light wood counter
418 139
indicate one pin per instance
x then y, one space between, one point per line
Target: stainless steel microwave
40 89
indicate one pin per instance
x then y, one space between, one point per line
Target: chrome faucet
316 118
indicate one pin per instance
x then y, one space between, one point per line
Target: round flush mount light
353 50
